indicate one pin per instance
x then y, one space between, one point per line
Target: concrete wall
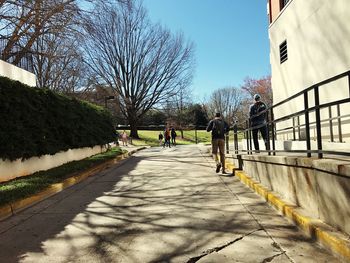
318 37
320 186
16 73
290 145
13 169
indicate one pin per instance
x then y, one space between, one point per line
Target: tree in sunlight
142 62
261 86
227 101
22 22
44 37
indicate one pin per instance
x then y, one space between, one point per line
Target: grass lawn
26 186
151 137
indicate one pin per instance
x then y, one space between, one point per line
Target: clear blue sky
230 37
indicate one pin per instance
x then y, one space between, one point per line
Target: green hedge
34 122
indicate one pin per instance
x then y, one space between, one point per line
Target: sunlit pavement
160 205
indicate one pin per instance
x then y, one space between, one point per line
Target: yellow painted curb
5 211
13 208
334 241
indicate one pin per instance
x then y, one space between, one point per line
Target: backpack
218 128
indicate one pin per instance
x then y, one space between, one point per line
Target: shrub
34 122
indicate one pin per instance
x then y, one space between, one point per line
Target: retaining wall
16 73
320 186
13 169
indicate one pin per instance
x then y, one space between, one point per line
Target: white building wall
318 40
16 73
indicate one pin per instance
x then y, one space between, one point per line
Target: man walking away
258 121
218 128
173 136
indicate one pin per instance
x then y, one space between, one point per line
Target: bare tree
227 101
180 103
26 26
261 86
58 63
24 21
144 63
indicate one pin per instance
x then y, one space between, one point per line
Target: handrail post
273 137
318 122
330 123
293 120
340 135
227 138
235 137
248 137
267 143
298 122
307 124
349 81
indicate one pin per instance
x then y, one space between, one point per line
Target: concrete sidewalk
16 206
160 205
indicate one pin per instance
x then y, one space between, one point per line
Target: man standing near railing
257 118
218 128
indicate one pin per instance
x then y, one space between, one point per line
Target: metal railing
295 130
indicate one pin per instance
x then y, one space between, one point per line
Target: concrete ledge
320 186
16 206
17 168
333 240
16 73
5 211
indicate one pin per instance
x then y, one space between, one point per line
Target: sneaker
224 172
218 166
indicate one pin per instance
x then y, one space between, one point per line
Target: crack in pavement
218 248
269 259
258 222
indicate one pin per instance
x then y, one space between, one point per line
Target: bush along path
23 192
35 122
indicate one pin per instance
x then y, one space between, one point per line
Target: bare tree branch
227 101
142 62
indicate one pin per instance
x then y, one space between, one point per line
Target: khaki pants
215 145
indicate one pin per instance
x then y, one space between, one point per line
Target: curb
16 206
333 240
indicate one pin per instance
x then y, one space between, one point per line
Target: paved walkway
161 205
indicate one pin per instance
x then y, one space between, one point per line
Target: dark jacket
173 133
216 123
254 110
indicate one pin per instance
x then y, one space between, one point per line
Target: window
283 3
283 52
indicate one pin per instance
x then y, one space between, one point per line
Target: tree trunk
133 132
133 128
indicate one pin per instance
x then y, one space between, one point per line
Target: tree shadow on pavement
145 210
